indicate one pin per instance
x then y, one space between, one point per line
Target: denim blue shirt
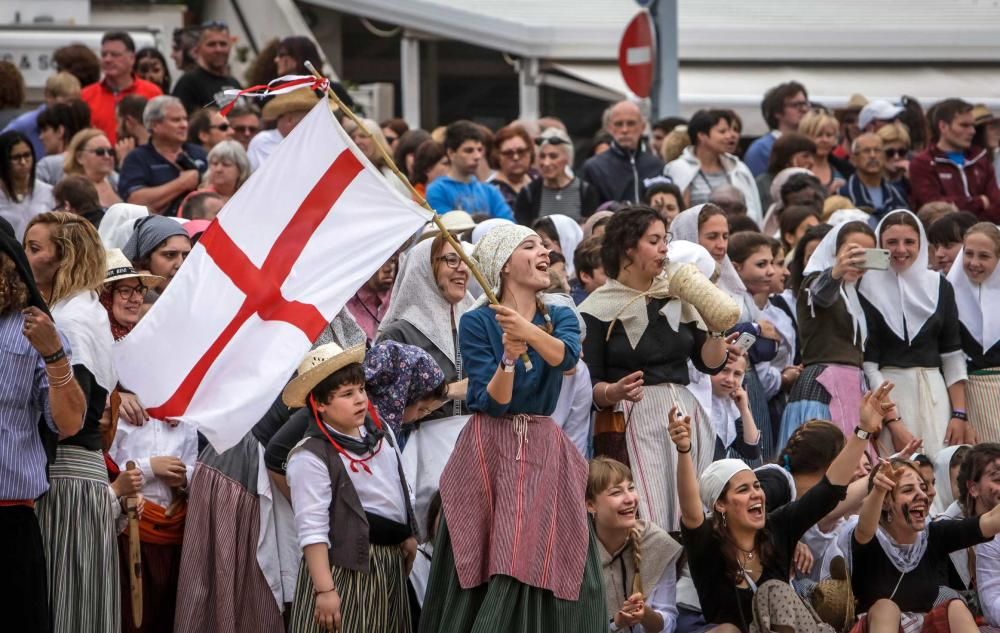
535 392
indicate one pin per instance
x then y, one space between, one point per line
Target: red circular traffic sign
637 54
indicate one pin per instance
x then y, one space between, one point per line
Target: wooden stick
391 164
135 559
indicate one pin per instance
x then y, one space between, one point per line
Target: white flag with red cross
280 261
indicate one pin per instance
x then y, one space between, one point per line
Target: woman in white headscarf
708 226
429 299
561 234
914 338
832 330
514 551
976 283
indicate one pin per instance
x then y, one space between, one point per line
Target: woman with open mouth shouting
739 555
914 337
896 554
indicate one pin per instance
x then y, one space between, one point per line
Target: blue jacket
446 194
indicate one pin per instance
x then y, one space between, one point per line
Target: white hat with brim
713 481
317 365
119 267
456 221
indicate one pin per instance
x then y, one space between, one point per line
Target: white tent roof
720 30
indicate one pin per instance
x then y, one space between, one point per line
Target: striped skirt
160 569
824 392
505 605
653 455
376 602
77 519
982 397
222 588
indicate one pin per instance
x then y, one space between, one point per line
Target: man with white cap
738 534
877 113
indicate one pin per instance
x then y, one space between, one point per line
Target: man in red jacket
952 170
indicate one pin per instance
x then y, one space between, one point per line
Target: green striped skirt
375 602
77 519
505 605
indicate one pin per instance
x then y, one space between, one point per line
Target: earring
724 524
888 518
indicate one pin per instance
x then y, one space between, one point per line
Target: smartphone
876 259
745 341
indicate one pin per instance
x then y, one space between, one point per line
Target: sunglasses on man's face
245 129
222 127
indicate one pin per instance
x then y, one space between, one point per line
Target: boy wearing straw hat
347 473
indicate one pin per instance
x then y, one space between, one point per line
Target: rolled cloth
717 309
148 233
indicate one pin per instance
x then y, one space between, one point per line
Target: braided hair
811 448
604 473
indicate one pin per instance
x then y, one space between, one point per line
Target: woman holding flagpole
78 514
514 551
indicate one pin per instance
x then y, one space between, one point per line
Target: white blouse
155 438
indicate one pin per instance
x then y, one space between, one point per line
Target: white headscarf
942 476
823 258
907 299
486 226
570 235
118 223
493 251
685 227
973 300
417 300
714 479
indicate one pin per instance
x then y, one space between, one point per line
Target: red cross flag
280 261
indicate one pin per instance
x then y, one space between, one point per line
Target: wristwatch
861 433
508 364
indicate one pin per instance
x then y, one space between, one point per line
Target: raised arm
692 514
871 509
873 407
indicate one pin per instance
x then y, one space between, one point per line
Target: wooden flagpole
134 558
391 164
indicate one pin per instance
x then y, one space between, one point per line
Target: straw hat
981 114
119 267
317 365
294 101
456 221
833 598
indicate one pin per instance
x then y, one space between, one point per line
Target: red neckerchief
354 462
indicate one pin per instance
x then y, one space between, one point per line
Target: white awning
741 87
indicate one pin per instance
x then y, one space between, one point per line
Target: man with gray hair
160 173
621 173
558 190
729 199
868 188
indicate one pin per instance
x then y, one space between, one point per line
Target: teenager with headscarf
37 385
159 245
707 225
638 559
833 331
641 339
740 554
530 479
431 296
78 514
561 234
976 282
914 338
897 554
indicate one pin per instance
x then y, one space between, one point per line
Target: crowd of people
720 390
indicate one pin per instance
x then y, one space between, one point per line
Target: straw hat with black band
119 267
317 365
294 101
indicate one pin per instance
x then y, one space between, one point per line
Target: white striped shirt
24 396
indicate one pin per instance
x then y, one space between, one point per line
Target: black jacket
529 201
621 175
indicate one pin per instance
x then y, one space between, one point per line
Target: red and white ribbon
279 86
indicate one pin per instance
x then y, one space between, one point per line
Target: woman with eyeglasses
90 154
151 65
512 157
22 197
896 145
558 191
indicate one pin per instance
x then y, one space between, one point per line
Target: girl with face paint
896 553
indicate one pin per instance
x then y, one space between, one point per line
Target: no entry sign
637 54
